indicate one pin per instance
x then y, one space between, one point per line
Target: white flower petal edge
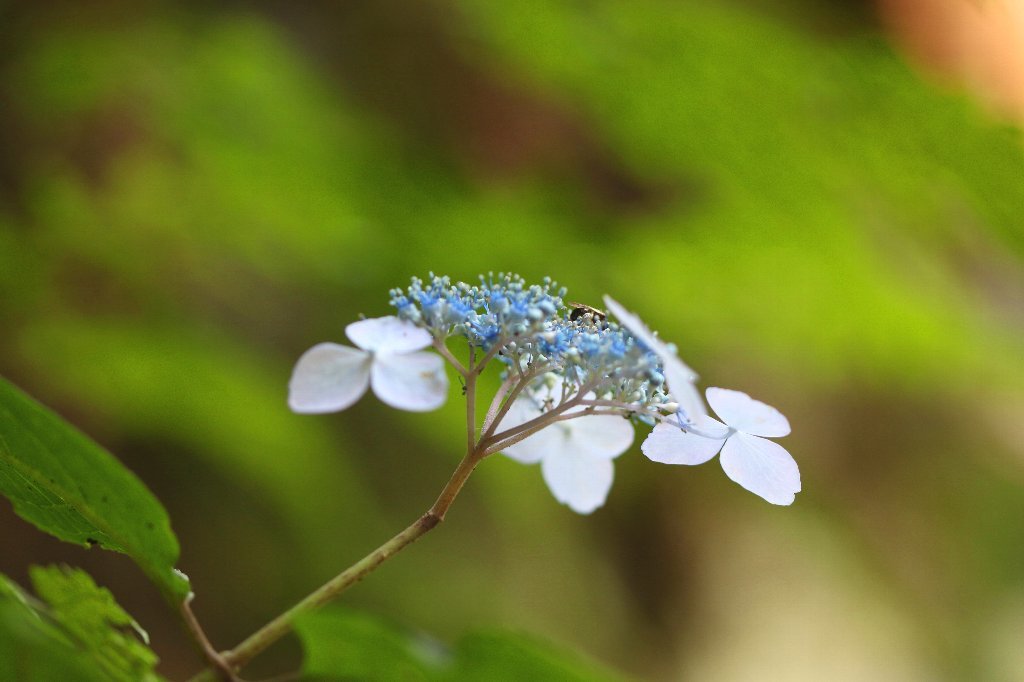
603 436
388 335
743 413
328 378
579 480
762 467
679 377
668 444
412 381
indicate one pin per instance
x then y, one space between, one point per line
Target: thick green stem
283 624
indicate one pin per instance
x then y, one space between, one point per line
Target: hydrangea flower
330 377
761 466
573 386
678 376
575 455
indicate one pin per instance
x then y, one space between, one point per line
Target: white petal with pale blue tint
678 376
388 335
578 480
327 378
743 413
762 467
669 444
606 436
411 381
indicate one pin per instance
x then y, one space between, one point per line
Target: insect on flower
582 311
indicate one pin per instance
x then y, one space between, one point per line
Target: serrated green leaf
66 485
33 648
93 620
345 645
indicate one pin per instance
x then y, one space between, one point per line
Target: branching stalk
224 665
219 667
524 381
492 411
495 349
524 431
534 424
442 349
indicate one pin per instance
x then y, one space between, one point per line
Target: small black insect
92 542
581 309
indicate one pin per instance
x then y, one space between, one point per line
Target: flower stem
471 402
495 349
281 625
219 666
442 349
492 411
517 388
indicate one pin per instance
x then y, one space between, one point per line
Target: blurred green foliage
341 644
198 194
77 632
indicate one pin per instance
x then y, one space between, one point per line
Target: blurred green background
192 194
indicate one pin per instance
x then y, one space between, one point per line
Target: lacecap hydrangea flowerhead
575 385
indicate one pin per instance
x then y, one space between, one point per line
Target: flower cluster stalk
574 386
225 664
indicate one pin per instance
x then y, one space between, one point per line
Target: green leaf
499 655
345 645
349 645
67 485
28 654
38 642
91 618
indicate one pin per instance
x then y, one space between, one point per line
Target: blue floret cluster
500 307
534 330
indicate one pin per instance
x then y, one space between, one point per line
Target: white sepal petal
410 381
678 378
743 413
637 328
606 436
388 335
678 375
669 444
761 466
578 480
328 378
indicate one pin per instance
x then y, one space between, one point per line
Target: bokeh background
820 202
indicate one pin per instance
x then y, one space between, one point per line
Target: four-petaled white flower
679 377
759 465
576 455
330 377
